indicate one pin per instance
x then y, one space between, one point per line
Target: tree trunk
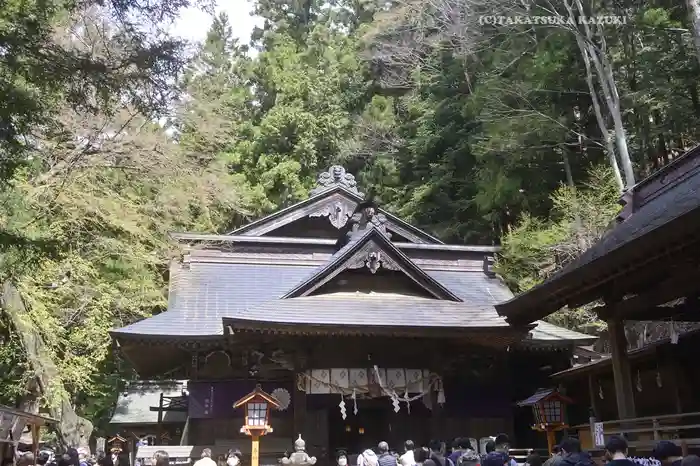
610 148
45 387
598 56
694 12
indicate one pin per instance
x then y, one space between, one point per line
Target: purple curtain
210 400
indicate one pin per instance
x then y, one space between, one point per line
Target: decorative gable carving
367 216
371 256
372 250
335 176
335 197
337 208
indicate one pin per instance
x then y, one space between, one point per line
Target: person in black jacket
572 455
668 453
616 452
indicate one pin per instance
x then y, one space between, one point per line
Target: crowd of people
462 453
72 457
436 453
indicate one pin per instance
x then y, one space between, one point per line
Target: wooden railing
645 432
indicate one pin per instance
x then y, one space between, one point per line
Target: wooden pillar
159 440
551 441
299 397
671 381
593 397
35 439
624 392
255 450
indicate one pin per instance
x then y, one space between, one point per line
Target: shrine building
362 326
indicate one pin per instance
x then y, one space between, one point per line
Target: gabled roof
337 203
255 280
357 253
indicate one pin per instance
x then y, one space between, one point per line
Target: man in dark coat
571 454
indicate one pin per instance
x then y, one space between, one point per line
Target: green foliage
14 371
535 249
110 228
44 64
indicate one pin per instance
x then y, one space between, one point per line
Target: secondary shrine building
364 327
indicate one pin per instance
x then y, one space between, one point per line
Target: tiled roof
549 332
374 309
202 295
206 292
134 404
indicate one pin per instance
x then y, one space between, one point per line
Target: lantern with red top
548 408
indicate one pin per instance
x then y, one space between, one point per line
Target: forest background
112 134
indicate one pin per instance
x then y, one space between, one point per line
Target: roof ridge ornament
366 217
335 176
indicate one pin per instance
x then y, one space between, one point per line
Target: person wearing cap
616 452
668 453
572 455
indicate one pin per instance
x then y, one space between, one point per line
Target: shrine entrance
358 432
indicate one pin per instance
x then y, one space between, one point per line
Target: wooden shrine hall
644 269
363 327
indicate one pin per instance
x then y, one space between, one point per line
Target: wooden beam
682 283
624 392
29 417
686 312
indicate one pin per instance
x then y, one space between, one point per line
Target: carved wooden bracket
371 256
